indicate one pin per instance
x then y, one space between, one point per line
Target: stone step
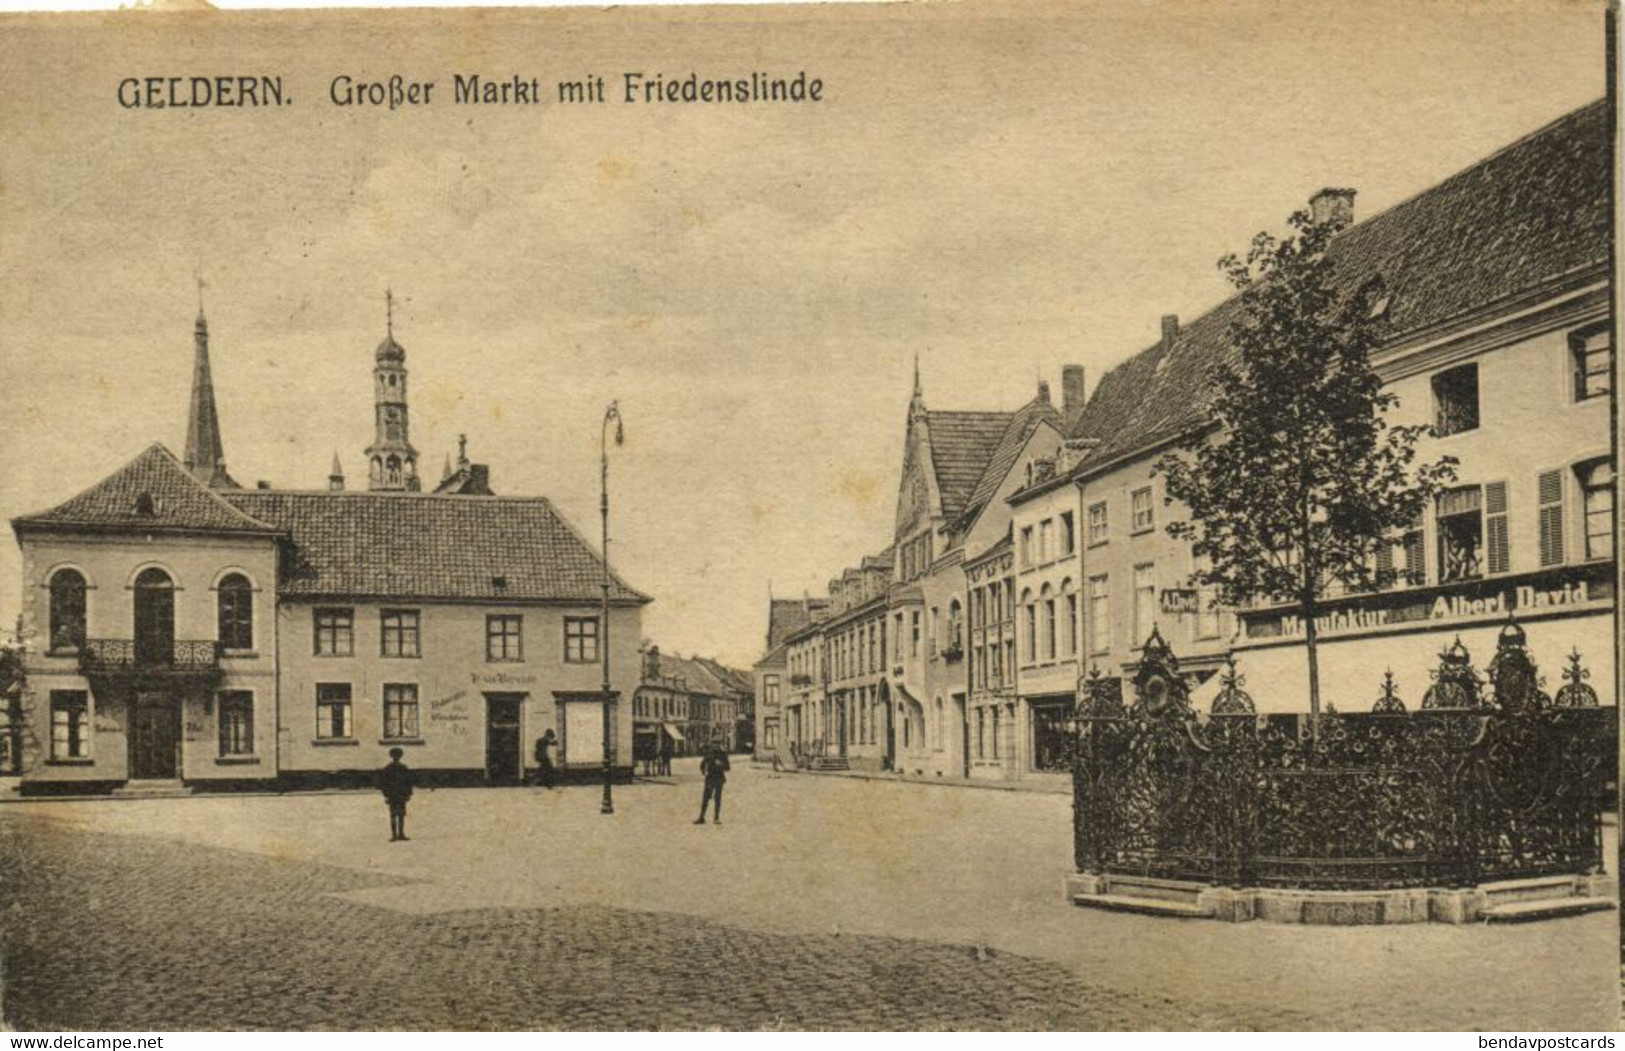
1547 909
1533 889
152 789
1152 887
1145 906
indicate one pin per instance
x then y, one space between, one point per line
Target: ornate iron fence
1468 789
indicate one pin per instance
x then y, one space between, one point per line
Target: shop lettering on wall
442 714
1520 599
502 678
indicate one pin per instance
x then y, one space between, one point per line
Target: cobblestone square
820 903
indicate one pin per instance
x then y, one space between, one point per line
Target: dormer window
499 583
146 505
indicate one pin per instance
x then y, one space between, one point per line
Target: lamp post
611 413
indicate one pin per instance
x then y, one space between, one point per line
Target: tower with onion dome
392 463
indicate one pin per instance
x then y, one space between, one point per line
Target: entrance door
503 750
154 737
842 707
154 618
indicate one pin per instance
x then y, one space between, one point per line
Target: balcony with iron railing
139 657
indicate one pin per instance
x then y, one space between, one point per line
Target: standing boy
395 781
715 768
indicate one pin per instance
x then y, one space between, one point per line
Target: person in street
544 759
665 754
395 781
715 768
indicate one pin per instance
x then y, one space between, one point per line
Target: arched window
936 730
236 613
1029 644
1048 612
154 617
67 610
1069 598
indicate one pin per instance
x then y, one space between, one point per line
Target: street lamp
611 413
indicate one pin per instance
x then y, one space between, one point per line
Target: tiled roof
1016 433
1004 543
1523 217
152 493
787 616
733 678
695 675
961 444
418 545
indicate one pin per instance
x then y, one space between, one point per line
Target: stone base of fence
1507 901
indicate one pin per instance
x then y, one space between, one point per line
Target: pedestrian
666 748
395 781
715 768
544 759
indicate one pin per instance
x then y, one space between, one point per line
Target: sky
997 190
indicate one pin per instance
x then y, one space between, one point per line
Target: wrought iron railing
113 656
1470 788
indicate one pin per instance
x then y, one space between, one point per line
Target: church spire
205 455
335 477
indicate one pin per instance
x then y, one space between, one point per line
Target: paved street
819 903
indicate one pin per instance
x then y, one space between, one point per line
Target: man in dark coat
715 768
544 759
395 781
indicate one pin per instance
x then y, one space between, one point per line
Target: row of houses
684 705
1030 545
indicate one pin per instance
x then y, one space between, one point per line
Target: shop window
400 711
1460 521
333 711
235 717
70 724
1591 356
1141 517
1455 400
335 632
1597 504
67 611
580 640
503 637
11 754
236 607
400 634
1050 737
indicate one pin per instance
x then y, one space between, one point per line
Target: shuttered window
1499 552
1551 518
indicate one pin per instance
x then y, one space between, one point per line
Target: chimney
1072 390
1170 331
1043 391
1333 205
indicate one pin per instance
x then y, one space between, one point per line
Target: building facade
1499 337
192 633
771 674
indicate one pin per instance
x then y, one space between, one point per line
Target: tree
1296 480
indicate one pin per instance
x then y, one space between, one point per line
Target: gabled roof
1016 432
152 493
423 546
694 674
786 616
1522 218
961 444
736 680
